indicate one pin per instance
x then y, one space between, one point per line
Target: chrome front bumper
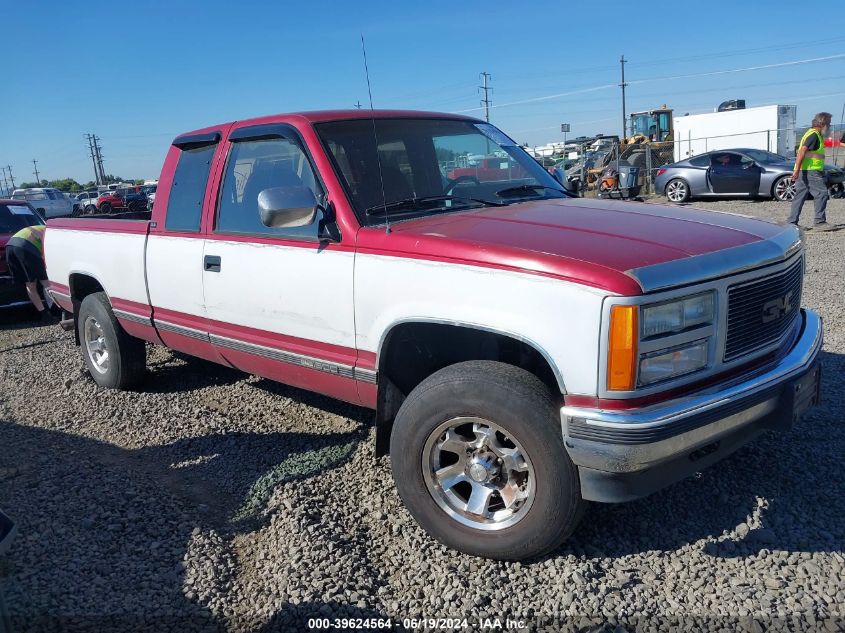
624 455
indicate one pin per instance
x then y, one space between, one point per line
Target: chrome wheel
478 474
676 191
784 190
95 345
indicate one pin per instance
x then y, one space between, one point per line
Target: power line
11 177
486 100
37 177
730 71
5 182
667 78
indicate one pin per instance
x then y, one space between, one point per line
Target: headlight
677 316
673 362
633 327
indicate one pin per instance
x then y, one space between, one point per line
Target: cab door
278 299
731 173
174 261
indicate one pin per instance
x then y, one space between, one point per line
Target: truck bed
110 249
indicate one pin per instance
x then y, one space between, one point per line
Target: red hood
597 242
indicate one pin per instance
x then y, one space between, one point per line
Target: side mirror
287 207
559 175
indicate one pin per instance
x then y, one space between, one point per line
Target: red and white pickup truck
524 350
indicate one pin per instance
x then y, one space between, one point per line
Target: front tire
478 459
677 191
105 207
113 358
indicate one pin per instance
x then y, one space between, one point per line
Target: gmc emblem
776 308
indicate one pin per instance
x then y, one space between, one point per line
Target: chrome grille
759 313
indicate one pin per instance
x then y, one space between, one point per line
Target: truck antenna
375 137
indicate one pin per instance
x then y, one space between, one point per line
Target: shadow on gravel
89 551
185 373
19 318
782 492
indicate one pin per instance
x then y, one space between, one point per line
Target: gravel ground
211 500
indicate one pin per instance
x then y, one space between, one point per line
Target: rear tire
784 189
677 191
114 358
499 427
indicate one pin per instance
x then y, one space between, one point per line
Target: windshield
457 164
654 126
765 157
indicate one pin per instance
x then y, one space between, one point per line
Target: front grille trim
745 331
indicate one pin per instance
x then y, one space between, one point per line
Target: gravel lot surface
213 500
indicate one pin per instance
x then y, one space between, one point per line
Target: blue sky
139 73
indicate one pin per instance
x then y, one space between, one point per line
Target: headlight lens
677 316
673 362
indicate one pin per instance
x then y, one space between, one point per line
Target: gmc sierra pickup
524 351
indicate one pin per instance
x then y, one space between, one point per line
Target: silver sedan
734 173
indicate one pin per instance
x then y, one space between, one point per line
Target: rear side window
184 206
14 217
700 161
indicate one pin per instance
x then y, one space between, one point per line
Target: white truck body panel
174 274
559 318
115 260
770 128
295 291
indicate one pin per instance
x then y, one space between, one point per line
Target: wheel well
413 351
81 285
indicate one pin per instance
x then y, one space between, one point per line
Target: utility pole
11 177
93 159
622 85
5 182
485 76
37 177
358 105
99 159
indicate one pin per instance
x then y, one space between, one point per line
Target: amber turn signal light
622 348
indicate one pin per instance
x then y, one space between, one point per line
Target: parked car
524 351
87 201
150 192
107 201
735 173
75 206
49 202
132 198
14 216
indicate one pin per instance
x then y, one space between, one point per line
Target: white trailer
770 128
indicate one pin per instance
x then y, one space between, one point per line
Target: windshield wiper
416 203
509 191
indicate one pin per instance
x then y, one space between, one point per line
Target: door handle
211 263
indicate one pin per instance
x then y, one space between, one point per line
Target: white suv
51 203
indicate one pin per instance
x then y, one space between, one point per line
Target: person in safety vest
25 259
808 174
